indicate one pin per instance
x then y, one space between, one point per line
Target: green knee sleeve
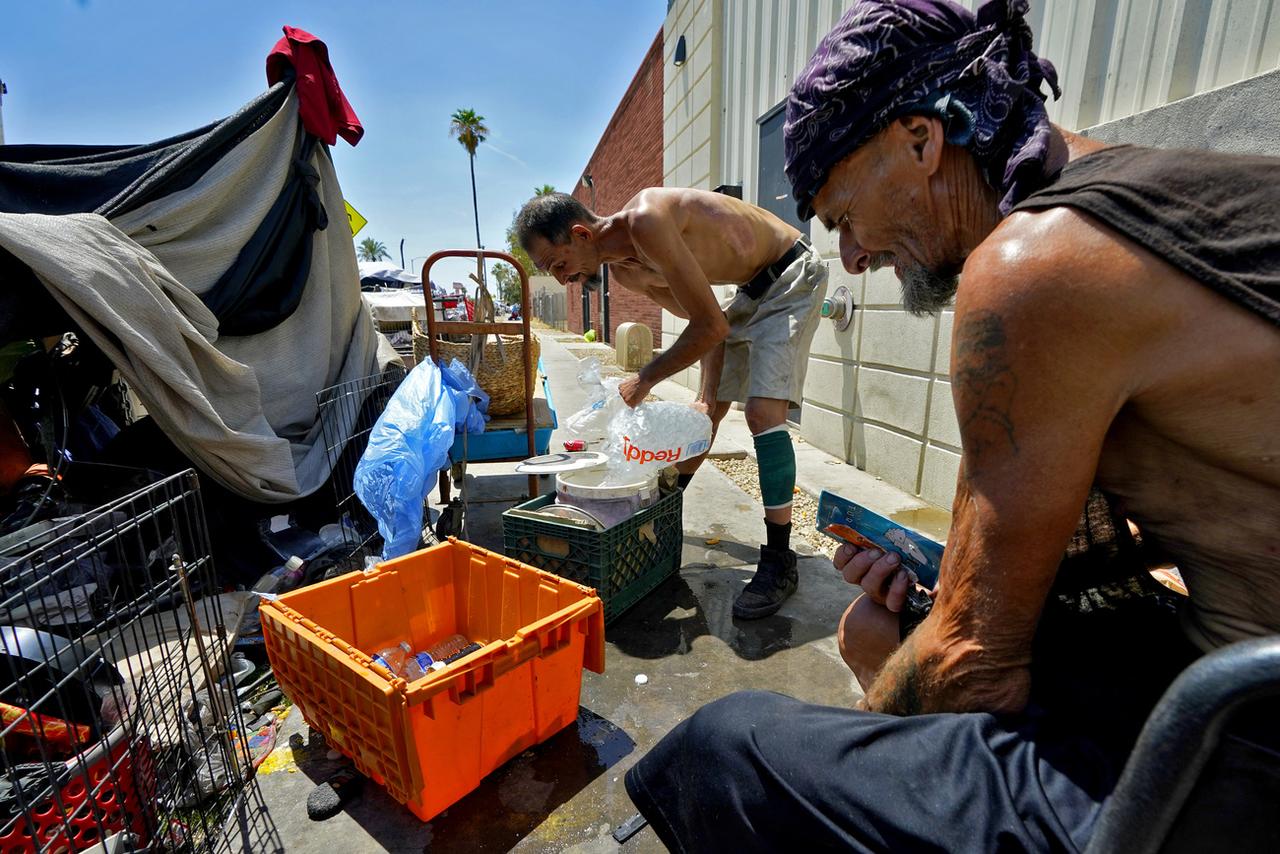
776 459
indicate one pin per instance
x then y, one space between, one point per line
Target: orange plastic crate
431 741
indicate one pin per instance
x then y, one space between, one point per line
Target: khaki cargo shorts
767 351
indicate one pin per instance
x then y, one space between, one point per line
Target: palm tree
544 190
470 130
372 250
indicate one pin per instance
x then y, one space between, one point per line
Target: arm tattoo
987 385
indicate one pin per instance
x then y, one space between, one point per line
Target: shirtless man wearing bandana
1115 335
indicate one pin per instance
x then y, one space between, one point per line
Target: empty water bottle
292 572
282 578
393 658
451 649
418 665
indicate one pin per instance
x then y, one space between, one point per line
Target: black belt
764 280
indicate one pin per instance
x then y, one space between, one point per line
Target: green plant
470 130
372 250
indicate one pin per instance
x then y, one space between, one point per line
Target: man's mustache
880 260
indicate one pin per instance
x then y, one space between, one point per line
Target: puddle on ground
931 521
527 793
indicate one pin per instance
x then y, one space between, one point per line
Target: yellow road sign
354 219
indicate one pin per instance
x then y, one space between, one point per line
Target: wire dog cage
347 413
122 729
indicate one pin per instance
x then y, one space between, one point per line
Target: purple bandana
888 58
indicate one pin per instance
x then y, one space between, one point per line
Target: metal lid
558 463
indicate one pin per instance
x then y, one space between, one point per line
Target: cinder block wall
878 394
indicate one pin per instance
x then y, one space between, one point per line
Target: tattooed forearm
985 385
896 690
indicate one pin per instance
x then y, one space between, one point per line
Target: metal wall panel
1115 58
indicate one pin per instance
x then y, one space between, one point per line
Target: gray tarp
242 408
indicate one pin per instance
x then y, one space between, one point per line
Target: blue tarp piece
409 445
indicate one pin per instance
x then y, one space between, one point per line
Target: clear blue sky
546 75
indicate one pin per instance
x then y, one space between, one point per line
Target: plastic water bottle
281 578
452 647
418 665
292 572
393 658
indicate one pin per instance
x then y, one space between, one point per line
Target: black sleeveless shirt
1216 217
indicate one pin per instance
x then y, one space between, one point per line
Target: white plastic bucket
610 503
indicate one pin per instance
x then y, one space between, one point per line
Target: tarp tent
378 273
215 270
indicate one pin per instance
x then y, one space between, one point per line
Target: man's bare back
1191 456
730 239
1194 456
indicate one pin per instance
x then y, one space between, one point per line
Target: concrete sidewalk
567 794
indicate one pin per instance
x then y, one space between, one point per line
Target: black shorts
763 772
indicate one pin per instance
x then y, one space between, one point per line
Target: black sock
777 536
682 481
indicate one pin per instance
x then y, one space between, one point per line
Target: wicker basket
499 377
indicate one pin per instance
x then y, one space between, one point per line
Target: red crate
108 791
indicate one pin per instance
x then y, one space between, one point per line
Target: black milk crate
622 563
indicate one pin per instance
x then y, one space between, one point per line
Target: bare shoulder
1058 275
1052 254
653 215
1051 301
653 202
649 206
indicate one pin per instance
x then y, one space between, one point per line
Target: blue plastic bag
408 445
463 389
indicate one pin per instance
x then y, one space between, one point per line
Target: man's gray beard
593 282
924 291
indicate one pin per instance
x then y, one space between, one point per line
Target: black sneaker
775 580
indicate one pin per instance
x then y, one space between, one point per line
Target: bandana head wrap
889 58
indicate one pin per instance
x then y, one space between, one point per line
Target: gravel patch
745 474
608 362
605 355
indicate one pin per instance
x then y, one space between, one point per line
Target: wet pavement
567 794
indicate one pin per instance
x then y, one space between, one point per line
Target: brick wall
627 159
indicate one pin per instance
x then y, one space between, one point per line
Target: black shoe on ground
775 580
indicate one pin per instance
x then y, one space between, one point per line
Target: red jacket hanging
324 109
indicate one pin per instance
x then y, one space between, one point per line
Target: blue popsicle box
850 522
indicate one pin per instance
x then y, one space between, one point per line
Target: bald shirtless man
1115 329
672 245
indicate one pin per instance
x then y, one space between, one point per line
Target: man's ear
580 231
923 138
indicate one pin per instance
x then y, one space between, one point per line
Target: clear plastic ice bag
651 436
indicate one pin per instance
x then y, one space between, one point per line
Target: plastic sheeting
410 443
